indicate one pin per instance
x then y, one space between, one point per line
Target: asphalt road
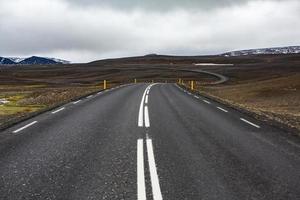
222 78
147 142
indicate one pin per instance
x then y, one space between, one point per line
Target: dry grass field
276 98
270 89
25 99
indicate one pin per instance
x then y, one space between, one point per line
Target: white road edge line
89 96
75 102
147 121
141 189
99 93
222 109
26 126
153 172
206 101
58 110
196 97
244 120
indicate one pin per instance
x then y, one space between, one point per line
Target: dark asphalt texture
89 151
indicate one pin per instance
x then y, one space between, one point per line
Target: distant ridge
263 51
33 60
6 61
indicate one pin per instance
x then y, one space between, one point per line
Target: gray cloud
82 33
161 5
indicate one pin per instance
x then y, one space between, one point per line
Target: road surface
147 142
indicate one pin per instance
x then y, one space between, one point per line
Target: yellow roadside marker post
104 84
192 85
135 80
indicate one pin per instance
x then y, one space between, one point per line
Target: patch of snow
212 64
16 59
59 60
3 101
278 50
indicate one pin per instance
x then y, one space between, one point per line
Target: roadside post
104 85
192 85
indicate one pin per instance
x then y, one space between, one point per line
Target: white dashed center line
146 101
147 121
143 111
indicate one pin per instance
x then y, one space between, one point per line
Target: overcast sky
86 30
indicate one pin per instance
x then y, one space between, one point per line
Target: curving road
147 142
222 78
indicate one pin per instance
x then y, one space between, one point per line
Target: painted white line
222 109
206 101
141 189
75 102
153 173
147 121
99 93
26 126
146 101
58 110
196 97
141 110
244 120
89 96
189 93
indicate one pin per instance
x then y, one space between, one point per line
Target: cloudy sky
86 30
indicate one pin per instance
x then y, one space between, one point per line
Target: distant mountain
6 61
59 60
276 50
33 60
16 59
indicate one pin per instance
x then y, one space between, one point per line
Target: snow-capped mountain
59 60
16 59
275 50
6 61
33 60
